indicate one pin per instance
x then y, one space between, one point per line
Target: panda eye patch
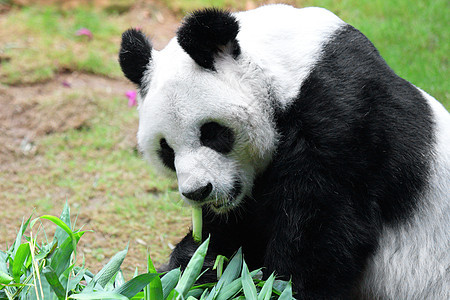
217 137
166 154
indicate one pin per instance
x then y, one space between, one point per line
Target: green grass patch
40 41
185 6
412 36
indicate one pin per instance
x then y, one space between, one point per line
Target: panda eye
217 137
166 154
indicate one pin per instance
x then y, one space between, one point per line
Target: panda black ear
134 55
205 32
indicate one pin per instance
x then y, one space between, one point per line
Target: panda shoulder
286 16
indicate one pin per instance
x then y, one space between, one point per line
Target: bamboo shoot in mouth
197 224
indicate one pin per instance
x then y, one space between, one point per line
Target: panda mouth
223 204
227 203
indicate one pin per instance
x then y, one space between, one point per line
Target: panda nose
200 193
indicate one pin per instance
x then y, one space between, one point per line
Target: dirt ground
25 119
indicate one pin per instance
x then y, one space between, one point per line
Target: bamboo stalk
197 224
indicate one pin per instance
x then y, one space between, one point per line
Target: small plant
48 270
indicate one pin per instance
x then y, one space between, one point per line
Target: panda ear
207 32
135 54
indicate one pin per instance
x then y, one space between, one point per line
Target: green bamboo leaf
4 269
17 243
60 234
154 290
73 282
109 286
169 281
150 267
3 260
119 280
46 290
99 295
172 295
4 279
279 286
215 291
18 263
231 272
64 277
204 295
218 265
138 296
132 287
247 283
60 260
230 290
233 269
287 293
53 280
193 269
194 293
266 291
63 226
109 270
46 250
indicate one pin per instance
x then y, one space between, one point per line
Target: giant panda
302 146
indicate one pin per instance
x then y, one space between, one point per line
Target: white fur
286 43
413 261
177 102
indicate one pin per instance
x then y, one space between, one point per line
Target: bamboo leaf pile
34 269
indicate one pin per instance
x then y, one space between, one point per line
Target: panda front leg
224 240
183 252
322 251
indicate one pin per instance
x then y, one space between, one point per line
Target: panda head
202 111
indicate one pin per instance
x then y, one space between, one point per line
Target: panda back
414 257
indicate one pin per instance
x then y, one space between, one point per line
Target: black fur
205 32
217 137
134 55
353 156
166 154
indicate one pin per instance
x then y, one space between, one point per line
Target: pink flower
131 95
66 84
84 31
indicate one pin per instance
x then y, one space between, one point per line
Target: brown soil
25 116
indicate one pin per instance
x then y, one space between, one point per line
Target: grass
42 41
412 36
184 6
